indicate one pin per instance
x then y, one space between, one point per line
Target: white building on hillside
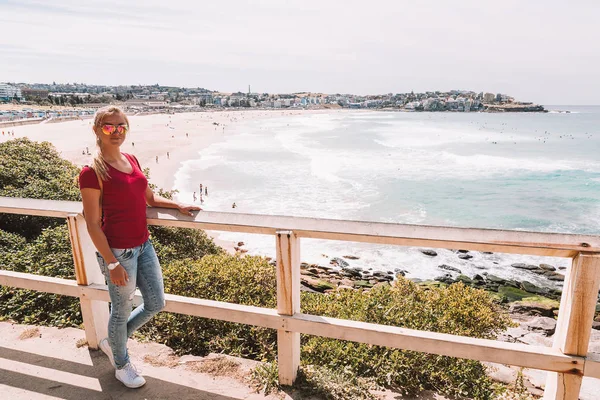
8 92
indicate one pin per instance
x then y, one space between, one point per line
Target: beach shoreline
182 136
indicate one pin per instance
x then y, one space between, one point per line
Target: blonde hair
99 165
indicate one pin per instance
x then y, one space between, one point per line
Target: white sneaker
105 347
130 376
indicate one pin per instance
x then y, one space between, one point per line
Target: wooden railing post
288 303
573 328
94 312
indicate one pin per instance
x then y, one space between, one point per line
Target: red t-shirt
123 204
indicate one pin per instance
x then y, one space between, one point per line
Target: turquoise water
537 172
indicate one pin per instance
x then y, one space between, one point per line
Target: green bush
223 277
456 309
36 171
174 244
49 255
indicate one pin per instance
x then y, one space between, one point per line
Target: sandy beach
151 136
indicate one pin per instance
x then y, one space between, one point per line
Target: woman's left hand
187 210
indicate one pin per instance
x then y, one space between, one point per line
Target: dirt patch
218 366
164 361
30 333
81 342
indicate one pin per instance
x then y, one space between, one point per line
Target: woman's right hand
119 276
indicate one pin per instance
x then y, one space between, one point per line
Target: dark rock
555 292
562 268
532 308
545 325
480 267
400 274
313 271
538 271
462 251
596 325
465 279
379 273
531 288
465 256
512 283
525 266
386 278
339 262
478 277
304 265
351 257
554 276
486 252
356 272
446 278
492 287
547 267
427 252
495 279
240 244
449 268
322 267
390 273
316 284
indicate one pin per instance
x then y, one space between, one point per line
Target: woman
115 193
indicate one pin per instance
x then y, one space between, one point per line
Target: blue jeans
143 269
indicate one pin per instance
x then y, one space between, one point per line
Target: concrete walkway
45 363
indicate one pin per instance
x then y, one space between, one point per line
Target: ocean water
535 172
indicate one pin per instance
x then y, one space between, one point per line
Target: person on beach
115 195
206 190
168 155
157 159
194 197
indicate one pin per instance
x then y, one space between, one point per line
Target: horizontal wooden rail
521 242
537 357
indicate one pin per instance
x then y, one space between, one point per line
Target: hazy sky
547 51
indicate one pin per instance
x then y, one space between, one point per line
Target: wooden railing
567 361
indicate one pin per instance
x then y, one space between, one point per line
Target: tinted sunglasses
109 129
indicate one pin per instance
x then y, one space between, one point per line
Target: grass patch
513 294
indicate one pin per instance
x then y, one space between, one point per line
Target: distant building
489 98
9 92
34 93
